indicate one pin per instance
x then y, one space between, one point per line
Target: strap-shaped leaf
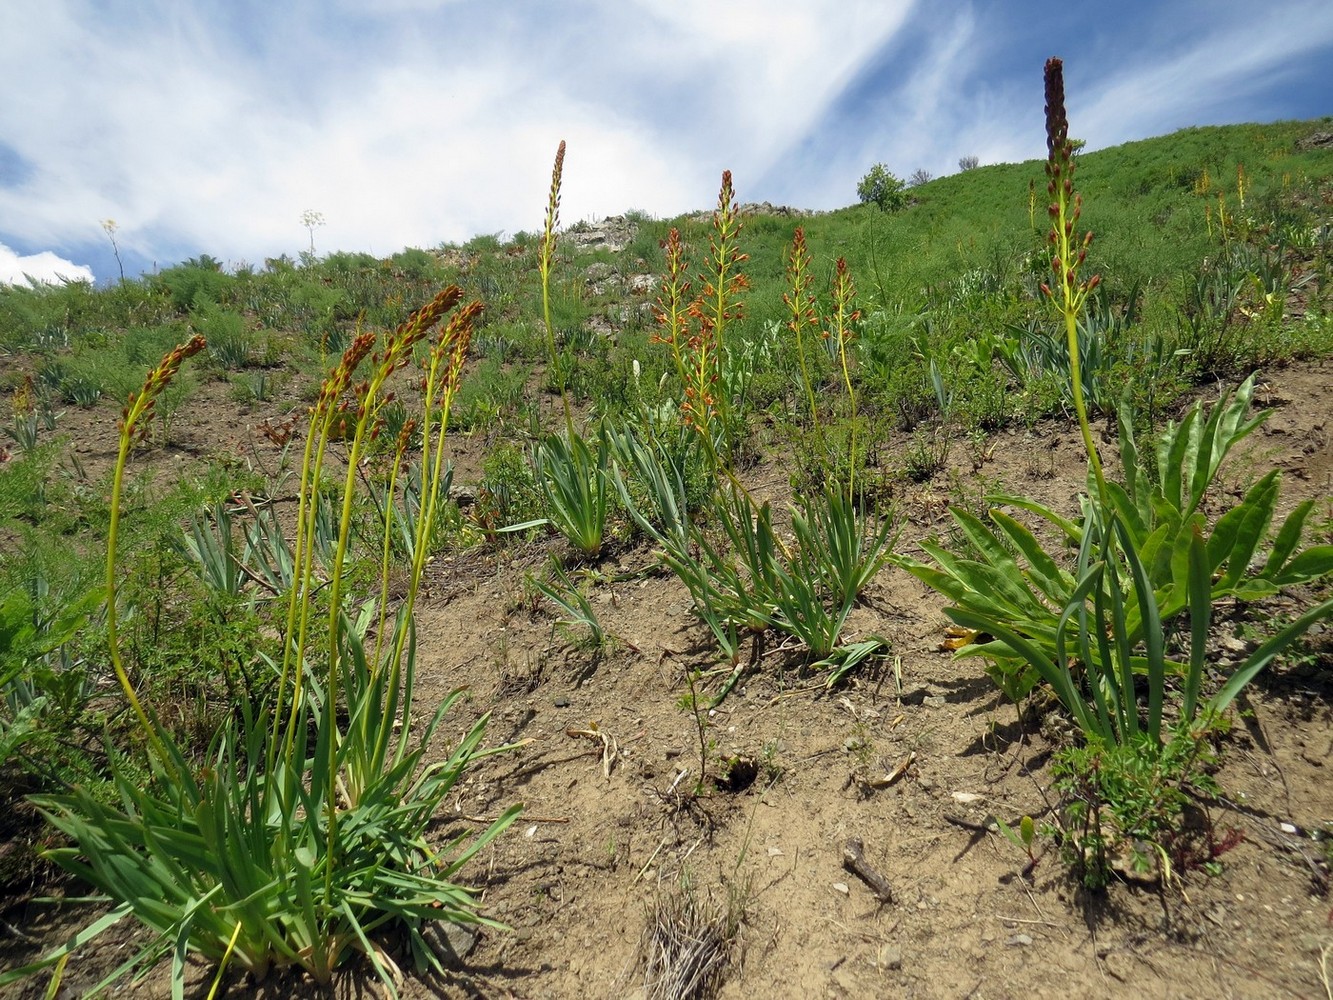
1128 511
1201 606
1153 639
1076 608
1311 564
1050 579
1260 658
1249 527
1173 451
1071 529
945 583
1058 678
1288 537
1129 452
1156 553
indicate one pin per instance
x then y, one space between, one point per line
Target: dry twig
853 859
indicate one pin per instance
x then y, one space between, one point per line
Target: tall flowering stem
800 302
842 330
442 373
718 305
673 309
545 261
371 398
331 408
398 352
1067 289
133 426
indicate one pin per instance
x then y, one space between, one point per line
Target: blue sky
210 127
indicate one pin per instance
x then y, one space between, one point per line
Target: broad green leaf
1059 679
1250 528
1311 564
1288 537
1042 569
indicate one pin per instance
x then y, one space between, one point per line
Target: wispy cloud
965 79
1207 71
209 128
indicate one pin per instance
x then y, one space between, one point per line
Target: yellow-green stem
1080 408
113 640
851 434
545 261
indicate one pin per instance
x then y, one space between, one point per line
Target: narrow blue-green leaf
77 941
1076 607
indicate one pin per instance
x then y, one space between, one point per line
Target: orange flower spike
800 301
844 297
139 410
674 311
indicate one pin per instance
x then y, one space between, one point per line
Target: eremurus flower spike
1068 252
133 428
845 315
800 302
545 261
722 283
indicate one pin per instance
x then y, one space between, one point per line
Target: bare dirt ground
610 826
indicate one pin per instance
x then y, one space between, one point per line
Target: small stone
451 942
841 887
561 701
933 701
1020 941
890 957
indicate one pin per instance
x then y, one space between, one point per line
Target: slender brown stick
853 859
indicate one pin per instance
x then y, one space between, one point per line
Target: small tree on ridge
882 188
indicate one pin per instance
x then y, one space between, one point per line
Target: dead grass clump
687 946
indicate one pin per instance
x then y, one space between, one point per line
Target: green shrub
882 188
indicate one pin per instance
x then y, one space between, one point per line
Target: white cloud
46 267
206 128
430 127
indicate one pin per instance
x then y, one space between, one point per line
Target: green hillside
208 580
